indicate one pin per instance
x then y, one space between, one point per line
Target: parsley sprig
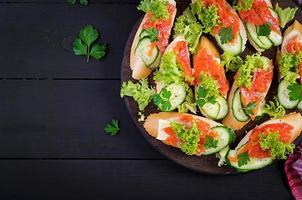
162 100
250 107
243 159
112 128
295 91
210 143
226 35
85 44
82 2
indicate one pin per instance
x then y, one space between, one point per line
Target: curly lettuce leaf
231 62
251 64
244 5
169 71
158 8
285 15
187 25
289 66
189 137
274 109
141 92
207 15
277 148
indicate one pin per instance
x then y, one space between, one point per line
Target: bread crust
139 69
152 122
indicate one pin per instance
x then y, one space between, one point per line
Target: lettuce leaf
187 25
276 148
244 5
207 15
285 15
141 92
274 109
189 103
158 8
231 62
289 66
246 71
189 137
169 72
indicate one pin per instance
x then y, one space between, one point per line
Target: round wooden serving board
202 164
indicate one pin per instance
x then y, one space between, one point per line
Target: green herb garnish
244 5
82 2
210 142
231 62
112 128
243 159
285 15
152 33
158 8
295 91
249 109
276 148
226 35
264 30
162 100
274 109
85 45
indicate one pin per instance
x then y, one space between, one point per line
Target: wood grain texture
65 119
37 39
46 179
204 164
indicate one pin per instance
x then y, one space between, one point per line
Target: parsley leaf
162 100
82 2
112 128
152 33
158 8
264 30
83 45
295 91
141 92
210 142
226 35
243 159
249 109
289 66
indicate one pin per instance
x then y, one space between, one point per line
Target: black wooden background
53 107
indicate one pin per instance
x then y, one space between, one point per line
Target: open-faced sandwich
271 140
152 36
211 85
222 21
174 76
194 135
290 68
262 23
247 96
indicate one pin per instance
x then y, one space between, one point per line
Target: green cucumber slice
178 94
235 48
225 137
224 108
143 51
283 96
261 41
237 108
253 164
300 106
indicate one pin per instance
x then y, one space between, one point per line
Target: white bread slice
151 124
230 120
293 119
139 69
292 31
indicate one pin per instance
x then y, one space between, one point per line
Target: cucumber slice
237 108
300 106
260 41
178 94
276 38
144 51
225 137
253 164
224 108
211 110
235 48
283 96
265 40
143 34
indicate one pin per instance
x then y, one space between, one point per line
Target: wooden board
203 164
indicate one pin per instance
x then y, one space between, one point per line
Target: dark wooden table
53 107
